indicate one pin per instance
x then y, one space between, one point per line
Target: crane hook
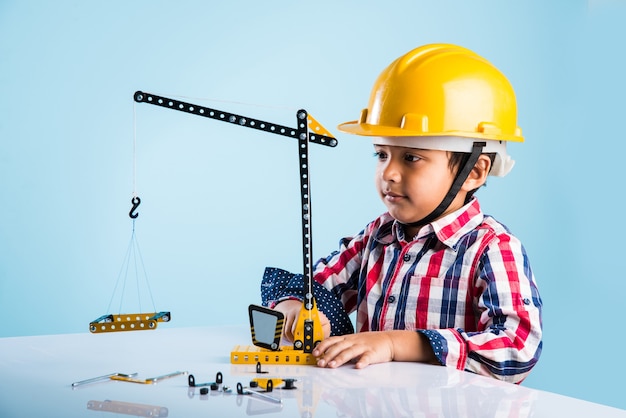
135 201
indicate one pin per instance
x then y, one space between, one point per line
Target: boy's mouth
393 197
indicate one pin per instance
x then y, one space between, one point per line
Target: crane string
133 253
134 153
249 104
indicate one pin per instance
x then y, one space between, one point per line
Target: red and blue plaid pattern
464 281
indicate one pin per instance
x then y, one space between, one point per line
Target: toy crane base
249 354
128 322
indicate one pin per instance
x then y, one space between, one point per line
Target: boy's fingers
323 346
288 329
364 361
336 352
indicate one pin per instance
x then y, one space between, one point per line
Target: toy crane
309 330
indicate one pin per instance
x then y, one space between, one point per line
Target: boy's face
412 182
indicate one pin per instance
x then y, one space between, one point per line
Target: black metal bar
235 119
305 201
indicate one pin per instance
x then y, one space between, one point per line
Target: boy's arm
334 284
279 287
508 342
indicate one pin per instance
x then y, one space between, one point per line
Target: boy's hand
365 347
291 310
373 347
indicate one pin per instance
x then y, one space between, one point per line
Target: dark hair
458 159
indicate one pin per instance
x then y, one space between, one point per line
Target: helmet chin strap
461 176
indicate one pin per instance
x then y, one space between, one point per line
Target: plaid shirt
464 281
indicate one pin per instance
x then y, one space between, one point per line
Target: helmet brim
366 129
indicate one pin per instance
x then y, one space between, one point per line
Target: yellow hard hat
438 96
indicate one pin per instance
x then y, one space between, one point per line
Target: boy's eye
411 158
380 155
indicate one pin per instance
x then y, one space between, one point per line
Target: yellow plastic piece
262 382
317 128
308 330
307 335
128 322
249 354
440 90
149 380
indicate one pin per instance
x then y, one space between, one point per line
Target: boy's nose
391 172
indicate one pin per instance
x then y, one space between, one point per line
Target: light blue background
221 202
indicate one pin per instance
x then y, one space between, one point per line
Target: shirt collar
453 226
448 229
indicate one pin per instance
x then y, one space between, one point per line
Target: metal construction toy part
270 383
149 380
245 391
308 331
101 378
266 326
128 322
136 201
191 380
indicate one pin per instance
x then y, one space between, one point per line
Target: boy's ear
478 176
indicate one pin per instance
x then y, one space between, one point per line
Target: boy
434 279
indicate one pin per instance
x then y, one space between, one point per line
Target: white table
36 374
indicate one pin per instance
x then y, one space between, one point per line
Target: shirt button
526 301
406 257
391 299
